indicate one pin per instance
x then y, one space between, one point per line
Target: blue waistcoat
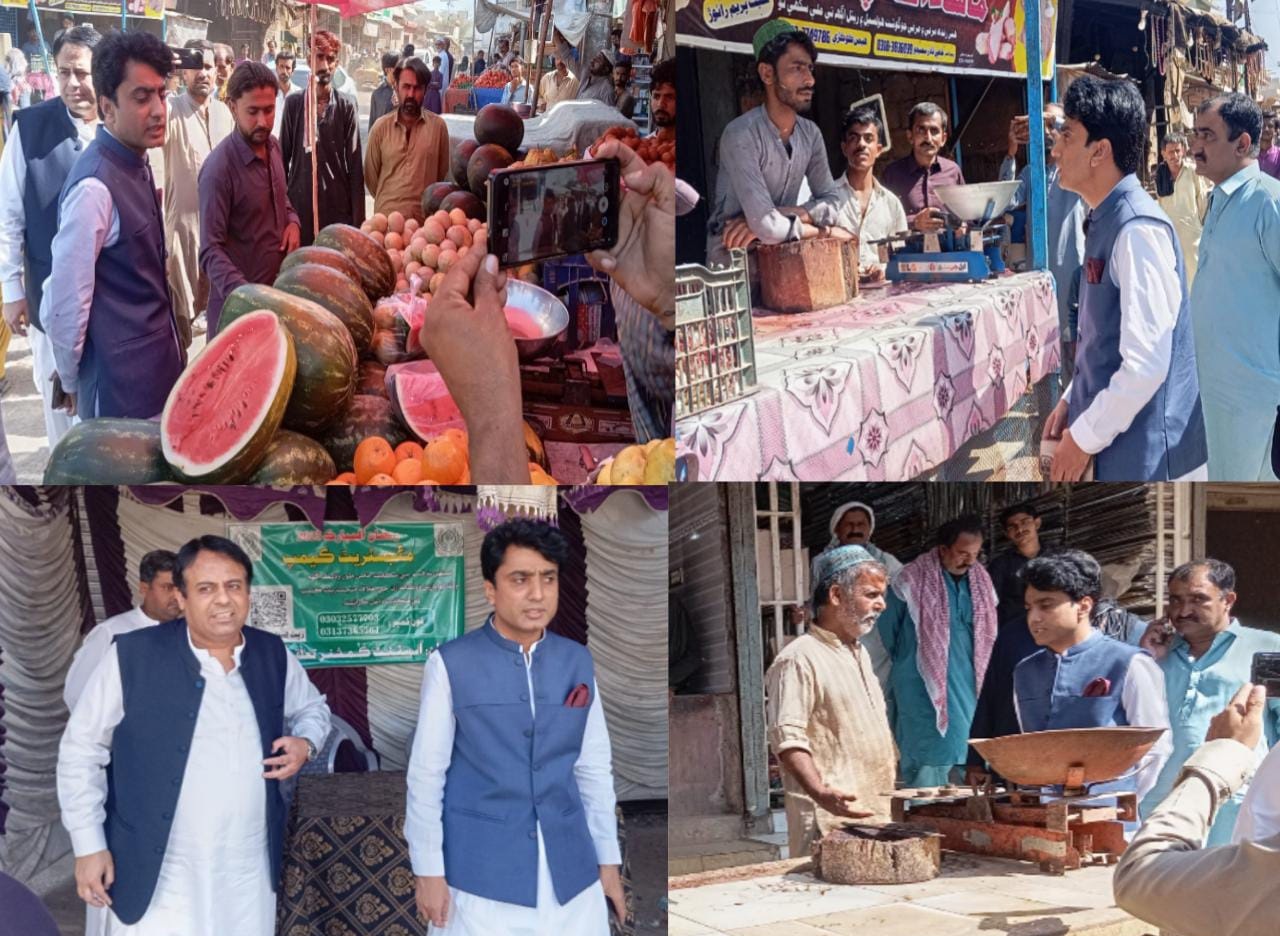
1166 439
162 691
511 771
1050 687
131 357
50 147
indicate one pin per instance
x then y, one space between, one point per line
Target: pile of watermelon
284 394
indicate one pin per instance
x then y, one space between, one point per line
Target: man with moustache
768 152
938 627
247 224
598 85
1021 525
106 305
1133 404
1184 195
198 122
826 713
864 207
1237 291
224 61
1080 678
1207 656
915 177
338 160
408 148
510 810
284 64
43 145
169 768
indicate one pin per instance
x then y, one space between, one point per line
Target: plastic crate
715 346
563 278
482 96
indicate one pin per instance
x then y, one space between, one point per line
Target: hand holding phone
1266 673
558 210
643 259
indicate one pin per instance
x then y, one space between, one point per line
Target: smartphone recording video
1266 672
553 211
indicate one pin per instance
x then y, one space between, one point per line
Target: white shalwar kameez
215 878
586 914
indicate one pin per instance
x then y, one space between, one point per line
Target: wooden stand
878 854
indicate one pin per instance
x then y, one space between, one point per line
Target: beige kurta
1185 208
823 697
193 133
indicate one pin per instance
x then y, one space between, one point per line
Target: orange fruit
408 450
444 461
458 437
373 456
466 476
347 477
408 471
381 479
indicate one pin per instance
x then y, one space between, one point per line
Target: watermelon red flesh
421 399
227 405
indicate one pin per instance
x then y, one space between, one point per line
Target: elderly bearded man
510 810
826 713
170 766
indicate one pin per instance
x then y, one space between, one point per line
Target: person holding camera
1166 878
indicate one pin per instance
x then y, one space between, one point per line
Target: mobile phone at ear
544 212
1266 672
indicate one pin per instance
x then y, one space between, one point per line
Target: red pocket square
1093 269
1099 687
579 698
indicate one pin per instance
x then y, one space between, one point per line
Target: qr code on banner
271 610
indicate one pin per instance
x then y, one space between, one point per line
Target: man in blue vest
45 142
172 798
1080 678
510 812
1133 405
109 314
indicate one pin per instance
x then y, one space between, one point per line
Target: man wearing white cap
827 721
852 524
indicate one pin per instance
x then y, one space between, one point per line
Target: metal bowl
979 202
546 311
1042 758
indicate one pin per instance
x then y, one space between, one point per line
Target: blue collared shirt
1199 689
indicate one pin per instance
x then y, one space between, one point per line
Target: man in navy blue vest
1080 678
170 766
45 142
110 318
510 812
1133 405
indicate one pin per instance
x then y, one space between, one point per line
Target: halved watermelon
421 399
227 405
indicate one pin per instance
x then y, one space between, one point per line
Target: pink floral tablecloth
882 389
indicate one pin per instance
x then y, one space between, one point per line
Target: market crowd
1170 349
138 198
904 663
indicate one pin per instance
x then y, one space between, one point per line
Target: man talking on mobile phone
170 766
1206 655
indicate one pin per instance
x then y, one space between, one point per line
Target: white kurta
587 914
94 648
1185 208
193 133
215 877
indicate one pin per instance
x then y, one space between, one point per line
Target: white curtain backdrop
40 617
627 634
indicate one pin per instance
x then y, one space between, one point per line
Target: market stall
69 558
827 385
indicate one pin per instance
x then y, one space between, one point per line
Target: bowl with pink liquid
537 318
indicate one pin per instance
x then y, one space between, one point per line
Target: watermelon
326 375
372 379
377 275
109 451
227 405
293 458
325 256
341 296
367 416
421 400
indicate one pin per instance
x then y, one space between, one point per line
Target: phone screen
553 211
1266 672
